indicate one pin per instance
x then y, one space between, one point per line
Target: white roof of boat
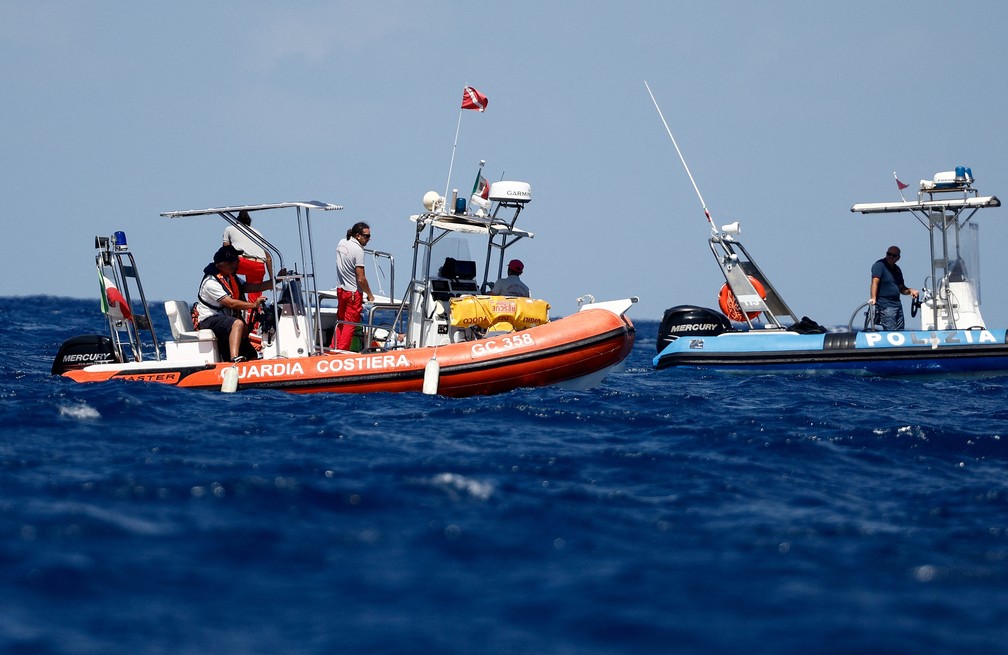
924 205
468 225
308 204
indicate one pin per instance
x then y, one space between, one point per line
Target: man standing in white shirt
353 284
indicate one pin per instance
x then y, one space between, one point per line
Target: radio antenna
682 159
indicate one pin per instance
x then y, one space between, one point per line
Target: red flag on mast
899 184
473 99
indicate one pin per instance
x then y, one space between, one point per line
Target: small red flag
473 99
899 184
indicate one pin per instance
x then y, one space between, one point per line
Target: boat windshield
956 256
447 248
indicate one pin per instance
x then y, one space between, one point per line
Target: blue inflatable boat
753 329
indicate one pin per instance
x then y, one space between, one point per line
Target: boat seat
189 343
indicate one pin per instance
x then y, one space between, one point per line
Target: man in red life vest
221 303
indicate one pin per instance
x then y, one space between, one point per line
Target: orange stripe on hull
562 350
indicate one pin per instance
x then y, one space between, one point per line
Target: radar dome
430 200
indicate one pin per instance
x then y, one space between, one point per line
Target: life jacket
230 283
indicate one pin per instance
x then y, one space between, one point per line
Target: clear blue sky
787 113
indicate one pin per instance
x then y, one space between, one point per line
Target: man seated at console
512 284
221 304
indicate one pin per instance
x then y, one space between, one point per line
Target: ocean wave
696 511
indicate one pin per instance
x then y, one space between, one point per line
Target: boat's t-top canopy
466 225
977 202
230 214
954 191
308 204
476 220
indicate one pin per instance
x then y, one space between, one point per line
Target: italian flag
112 302
482 187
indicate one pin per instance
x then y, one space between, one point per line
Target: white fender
431 376
230 382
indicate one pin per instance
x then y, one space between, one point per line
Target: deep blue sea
663 512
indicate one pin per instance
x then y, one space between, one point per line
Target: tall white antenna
682 159
450 165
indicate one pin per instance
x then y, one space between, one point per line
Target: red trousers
254 272
351 307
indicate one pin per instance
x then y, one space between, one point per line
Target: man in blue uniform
886 287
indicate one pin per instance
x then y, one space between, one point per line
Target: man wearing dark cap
512 284
221 302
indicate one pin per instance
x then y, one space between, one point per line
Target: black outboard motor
84 350
690 321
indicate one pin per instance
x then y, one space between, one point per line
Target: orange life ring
729 304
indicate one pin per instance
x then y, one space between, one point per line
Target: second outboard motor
690 321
